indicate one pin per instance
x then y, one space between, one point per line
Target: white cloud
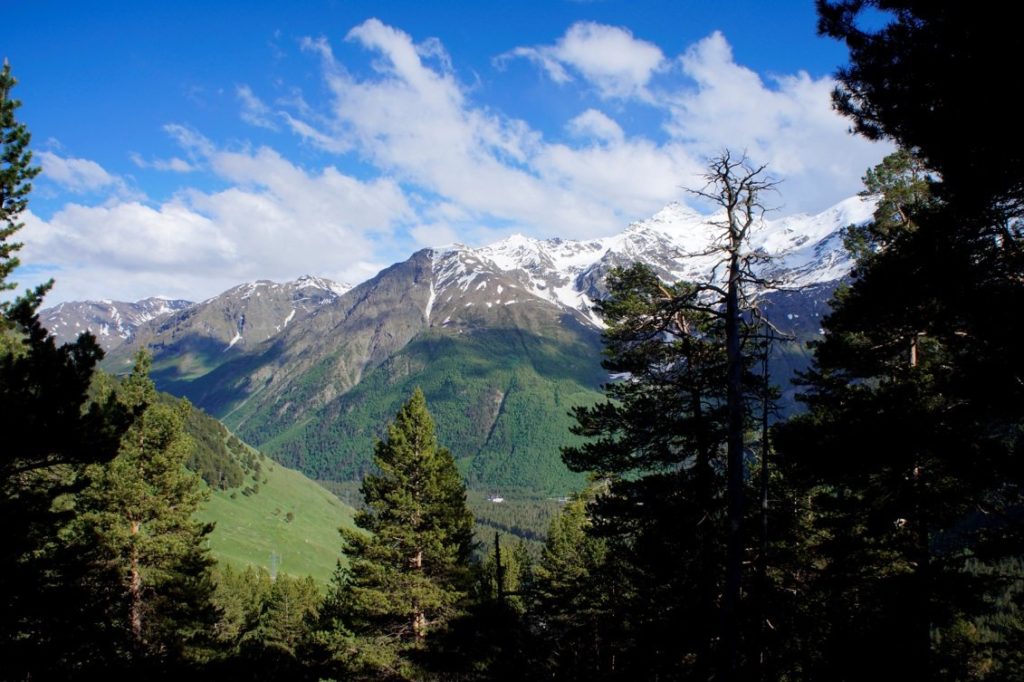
254 111
434 234
609 57
77 175
593 123
276 221
194 144
503 172
173 164
318 139
469 156
439 166
128 236
787 123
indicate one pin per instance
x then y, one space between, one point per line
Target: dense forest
876 534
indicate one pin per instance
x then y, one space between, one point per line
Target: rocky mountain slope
502 339
200 336
111 322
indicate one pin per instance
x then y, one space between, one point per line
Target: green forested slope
501 399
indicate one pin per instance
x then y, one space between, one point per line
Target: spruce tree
408 572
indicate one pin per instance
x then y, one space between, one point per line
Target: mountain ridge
290 367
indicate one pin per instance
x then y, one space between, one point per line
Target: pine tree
931 69
409 571
573 602
240 598
736 187
148 566
495 635
687 350
52 430
911 448
16 173
920 70
657 443
912 452
291 607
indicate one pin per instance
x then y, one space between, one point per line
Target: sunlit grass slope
290 524
265 514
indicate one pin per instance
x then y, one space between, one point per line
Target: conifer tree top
16 173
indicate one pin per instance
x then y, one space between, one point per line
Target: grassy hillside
265 514
289 524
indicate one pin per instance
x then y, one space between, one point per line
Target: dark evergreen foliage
575 601
52 430
219 458
934 68
910 454
16 173
145 567
409 573
671 442
658 443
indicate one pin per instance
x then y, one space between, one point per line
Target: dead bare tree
737 187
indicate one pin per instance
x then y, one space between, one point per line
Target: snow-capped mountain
247 313
250 313
112 322
502 339
802 251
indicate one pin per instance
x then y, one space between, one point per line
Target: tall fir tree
409 570
148 567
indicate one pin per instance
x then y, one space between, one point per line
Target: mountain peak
111 322
676 212
805 250
338 288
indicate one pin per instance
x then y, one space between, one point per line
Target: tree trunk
419 619
419 625
922 573
762 560
499 570
921 649
706 537
734 487
135 589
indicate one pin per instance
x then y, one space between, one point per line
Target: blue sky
189 146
